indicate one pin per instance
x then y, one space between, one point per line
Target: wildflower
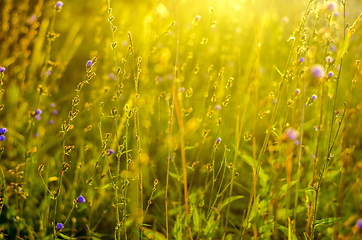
291 134
59 5
301 59
81 199
296 142
110 151
218 107
330 6
89 63
329 59
182 89
317 71
59 226
54 112
52 105
330 74
51 121
36 135
31 19
314 97
297 91
3 131
38 112
2 69
359 224
218 140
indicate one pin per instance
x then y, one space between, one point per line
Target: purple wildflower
359 224
110 151
317 71
314 97
218 140
36 135
301 59
3 130
59 226
89 63
2 69
182 89
292 134
52 105
81 199
297 91
38 112
59 5
330 74
51 121
37 117
218 107
54 112
2 138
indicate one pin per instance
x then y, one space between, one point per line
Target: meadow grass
180 119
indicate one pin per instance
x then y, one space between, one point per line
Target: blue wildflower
81 199
59 226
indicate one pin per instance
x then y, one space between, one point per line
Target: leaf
174 175
308 189
196 218
328 221
151 234
347 40
105 186
229 200
65 236
306 236
286 232
249 160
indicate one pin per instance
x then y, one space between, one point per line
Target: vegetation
189 120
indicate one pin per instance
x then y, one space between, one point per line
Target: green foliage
180 119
